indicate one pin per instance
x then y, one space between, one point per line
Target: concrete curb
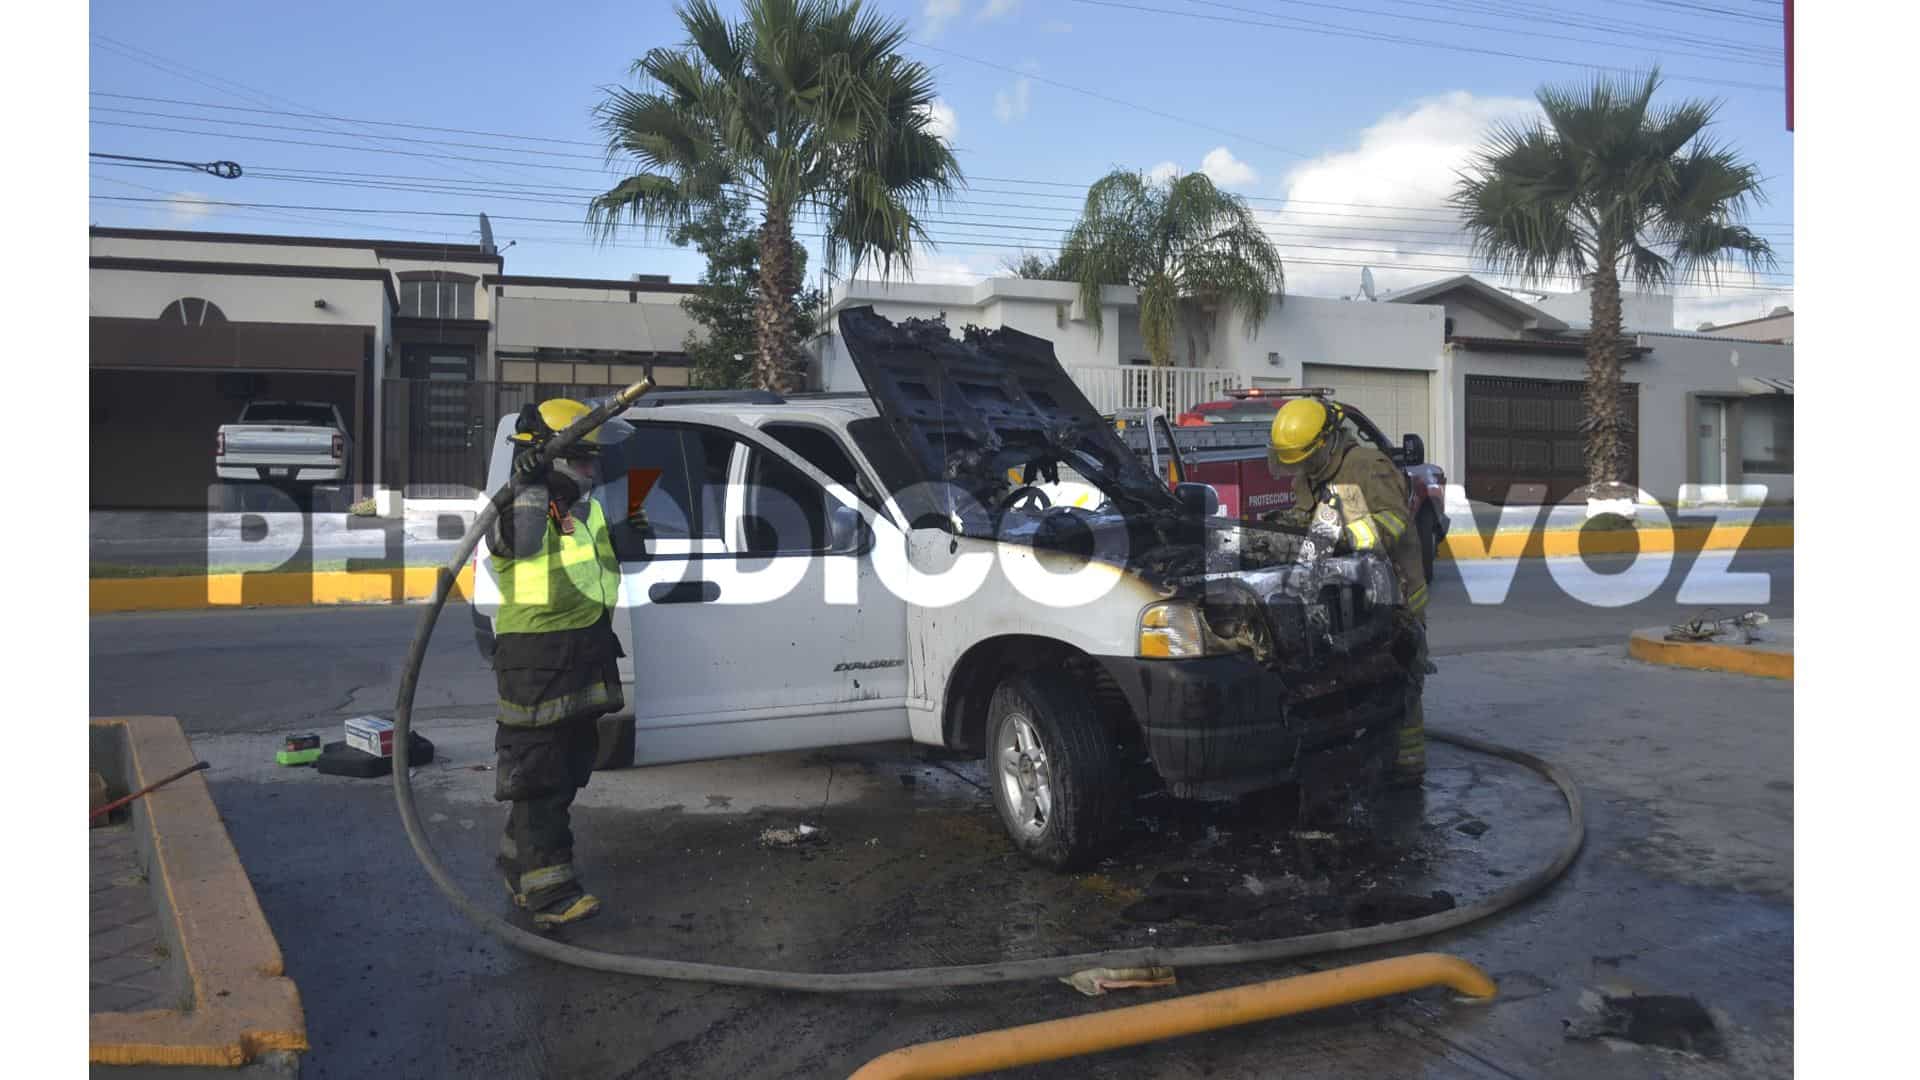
1463 545
270 590
244 1007
1763 660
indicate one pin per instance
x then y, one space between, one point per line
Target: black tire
1429 525
1083 770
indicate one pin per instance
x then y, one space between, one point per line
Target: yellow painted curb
1721 536
1770 662
270 590
243 1003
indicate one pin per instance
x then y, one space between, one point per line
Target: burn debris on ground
1666 1021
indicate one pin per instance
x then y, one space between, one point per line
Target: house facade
1491 383
420 346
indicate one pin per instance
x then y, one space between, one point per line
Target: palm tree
1179 241
1605 186
804 106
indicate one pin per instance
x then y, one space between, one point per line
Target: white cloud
1056 26
184 207
1011 104
1226 170
957 266
1383 201
943 121
1733 305
997 9
937 13
1163 172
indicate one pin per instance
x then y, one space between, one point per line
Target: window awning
1766 385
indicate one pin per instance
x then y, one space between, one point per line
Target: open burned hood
966 411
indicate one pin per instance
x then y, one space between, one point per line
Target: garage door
151 438
1393 399
1527 432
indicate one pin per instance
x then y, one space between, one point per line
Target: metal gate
438 434
1526 432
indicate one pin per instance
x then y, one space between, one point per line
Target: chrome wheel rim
1022 762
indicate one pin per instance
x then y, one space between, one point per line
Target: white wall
655 323
1638 310
143 294
189 248
1032 307
1313 330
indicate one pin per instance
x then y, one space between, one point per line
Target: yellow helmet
1299 428
539 423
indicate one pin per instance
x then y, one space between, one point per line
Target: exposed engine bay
998 429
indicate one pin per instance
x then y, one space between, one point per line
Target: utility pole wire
225 170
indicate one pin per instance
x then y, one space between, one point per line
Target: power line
1753 57
343 119
231 87
1696 10
1303 26
528 185
337 146
325 131
177 200
1054 220
225 170
1608 24
1110 99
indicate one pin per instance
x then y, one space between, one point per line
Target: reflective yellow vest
567 586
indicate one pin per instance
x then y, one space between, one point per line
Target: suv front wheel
1056 774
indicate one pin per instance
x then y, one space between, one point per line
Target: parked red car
1224 444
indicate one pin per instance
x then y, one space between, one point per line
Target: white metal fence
1174 389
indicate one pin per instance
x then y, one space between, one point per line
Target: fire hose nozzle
633 393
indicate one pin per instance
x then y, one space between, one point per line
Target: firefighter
1356 497
554 659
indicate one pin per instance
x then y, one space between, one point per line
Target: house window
1766 434
427 299
192 311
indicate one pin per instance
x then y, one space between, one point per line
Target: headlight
1223 624
1171 631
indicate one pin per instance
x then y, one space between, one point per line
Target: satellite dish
1366 283
486 235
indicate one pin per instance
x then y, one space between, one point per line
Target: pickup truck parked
288 444
840 569
1224 444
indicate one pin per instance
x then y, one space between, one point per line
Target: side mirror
843 528
1413 450
1200 499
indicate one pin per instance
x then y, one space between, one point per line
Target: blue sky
1344 144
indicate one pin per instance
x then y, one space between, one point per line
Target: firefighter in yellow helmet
554 659
1357 497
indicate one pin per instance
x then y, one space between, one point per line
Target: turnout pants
1410 759
539 772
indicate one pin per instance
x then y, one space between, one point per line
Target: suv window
820 449
784 511
684 470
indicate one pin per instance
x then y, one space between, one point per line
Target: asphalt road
1685 886
277 669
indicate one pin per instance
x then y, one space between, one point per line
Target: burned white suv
827 570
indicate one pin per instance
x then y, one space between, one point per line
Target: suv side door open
755 619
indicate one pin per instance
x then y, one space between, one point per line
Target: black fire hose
1274 949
